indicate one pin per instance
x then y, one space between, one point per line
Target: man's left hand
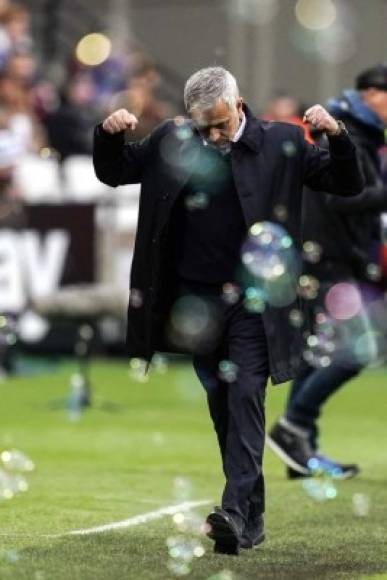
319 118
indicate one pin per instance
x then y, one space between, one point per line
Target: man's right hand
119 121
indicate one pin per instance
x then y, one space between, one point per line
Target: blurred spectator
14 31
16 107
70 126
11 208
287 109
141 98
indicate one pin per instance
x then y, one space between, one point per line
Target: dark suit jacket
271 163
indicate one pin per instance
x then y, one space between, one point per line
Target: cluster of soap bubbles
271 260
228 371
312 252
13 466
321 486
139 367
348 330
308 287
181 553
322 345
185 545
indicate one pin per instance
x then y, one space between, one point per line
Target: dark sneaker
225 530
253 534
322 464
291 443
333 468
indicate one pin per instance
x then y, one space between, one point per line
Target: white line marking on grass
140 519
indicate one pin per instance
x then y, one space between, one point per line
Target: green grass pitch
111 466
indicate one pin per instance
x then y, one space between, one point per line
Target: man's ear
239 103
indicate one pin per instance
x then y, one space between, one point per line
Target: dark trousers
237 407
310 391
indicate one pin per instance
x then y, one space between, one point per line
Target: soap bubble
361 505
228 371
194 324
10 556
158 439
136 299
190 523
296 318
14 460
182 488
222 575
280 212
308 287
343 301
268 251
319 490
196 201
138 370
374 272
231 293
289 148
254 300
311 252
160 364
178 568
321 346
7 490
182 551
14 465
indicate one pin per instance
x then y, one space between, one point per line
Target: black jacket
268 172
348 229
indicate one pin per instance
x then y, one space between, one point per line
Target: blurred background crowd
65 65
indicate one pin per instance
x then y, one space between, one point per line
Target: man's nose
214 135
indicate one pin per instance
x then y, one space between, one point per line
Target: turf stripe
140 519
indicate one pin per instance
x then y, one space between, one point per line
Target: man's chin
222 146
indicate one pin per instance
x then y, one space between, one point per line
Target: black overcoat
271 163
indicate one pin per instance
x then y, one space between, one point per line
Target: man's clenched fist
119 121
321 119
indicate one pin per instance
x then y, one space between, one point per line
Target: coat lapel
250 171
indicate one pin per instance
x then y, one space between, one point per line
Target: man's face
376 100
218 124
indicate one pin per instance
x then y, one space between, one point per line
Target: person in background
141 97
348 233
287 109
15 33
70 126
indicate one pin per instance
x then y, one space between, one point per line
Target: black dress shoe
253 534
225 530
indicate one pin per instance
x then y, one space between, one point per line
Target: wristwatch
342 129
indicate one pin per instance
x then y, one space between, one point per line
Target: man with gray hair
205 181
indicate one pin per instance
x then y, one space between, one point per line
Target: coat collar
252 136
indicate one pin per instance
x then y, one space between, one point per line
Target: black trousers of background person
237 408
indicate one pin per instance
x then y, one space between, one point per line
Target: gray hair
208 85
